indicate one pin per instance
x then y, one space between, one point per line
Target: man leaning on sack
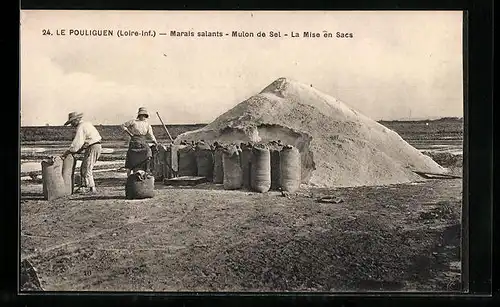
87 139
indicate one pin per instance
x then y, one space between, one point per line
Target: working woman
139 153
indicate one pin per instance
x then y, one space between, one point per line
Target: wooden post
165 127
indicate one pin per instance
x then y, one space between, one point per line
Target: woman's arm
151 135
126 125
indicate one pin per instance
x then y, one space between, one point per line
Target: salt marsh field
400 237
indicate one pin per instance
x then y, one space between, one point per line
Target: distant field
448 129
108 132
417 130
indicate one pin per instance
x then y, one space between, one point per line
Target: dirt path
403 237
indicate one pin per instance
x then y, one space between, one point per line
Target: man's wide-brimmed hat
143 111
73 116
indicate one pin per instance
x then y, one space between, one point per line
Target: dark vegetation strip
450 127
108 132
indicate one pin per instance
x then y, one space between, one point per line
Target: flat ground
399 237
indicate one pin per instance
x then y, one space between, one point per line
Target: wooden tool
172 140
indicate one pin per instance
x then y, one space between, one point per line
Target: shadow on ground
445 250
99 197
110 182
25 196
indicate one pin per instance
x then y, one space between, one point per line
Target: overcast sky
397 64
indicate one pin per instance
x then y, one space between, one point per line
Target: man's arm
78 141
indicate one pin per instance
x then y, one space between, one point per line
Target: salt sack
290 169
140 185
158 162
68 173
246 165
187 161
204 160
218 173
233 174
261 169
172 161
275 169
52 179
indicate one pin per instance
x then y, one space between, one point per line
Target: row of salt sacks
271 168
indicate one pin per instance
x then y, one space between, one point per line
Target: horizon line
197 124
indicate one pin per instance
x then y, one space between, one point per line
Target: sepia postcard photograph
241 151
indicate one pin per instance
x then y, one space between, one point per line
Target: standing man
87 138
139 153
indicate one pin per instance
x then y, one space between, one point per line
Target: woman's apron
138 153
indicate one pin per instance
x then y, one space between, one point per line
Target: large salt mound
339 146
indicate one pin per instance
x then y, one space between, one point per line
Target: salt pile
339 146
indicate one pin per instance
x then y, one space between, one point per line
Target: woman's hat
143 111
73 116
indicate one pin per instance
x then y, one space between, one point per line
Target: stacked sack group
256 167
